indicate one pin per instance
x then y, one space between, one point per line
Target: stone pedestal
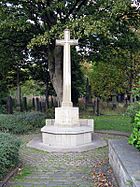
67 131
67 116
67 137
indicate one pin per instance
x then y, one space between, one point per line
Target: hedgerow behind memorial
21 123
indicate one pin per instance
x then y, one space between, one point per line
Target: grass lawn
116 123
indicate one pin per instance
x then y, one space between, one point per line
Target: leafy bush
9 153
134 139
132 109
50 113
21 123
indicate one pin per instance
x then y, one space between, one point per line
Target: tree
99 25
78 81
107 79
13 41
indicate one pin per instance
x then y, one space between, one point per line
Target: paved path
60 169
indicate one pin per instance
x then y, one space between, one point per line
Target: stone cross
67 42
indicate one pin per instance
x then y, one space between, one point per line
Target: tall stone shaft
67 42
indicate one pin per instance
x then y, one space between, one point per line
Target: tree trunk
55 65
19 107
47 94
97 106
46 89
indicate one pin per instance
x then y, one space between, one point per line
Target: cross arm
60 42
73 42
63 42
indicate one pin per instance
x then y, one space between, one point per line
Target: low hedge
21 123
9 153
132 109
134 139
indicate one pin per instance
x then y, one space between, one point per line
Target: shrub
9 153
50 113
21 123
32 119
132 109
134 139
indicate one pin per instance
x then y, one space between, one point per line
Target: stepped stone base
67 137
67 133
38 144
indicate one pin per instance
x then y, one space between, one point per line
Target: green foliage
136 90
21 123
24 172
134 139
2 109
77 78
29 88
3 96
50 113
106 28
9 156
107 79
132 109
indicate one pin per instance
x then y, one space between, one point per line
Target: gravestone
97 106
33 103
88 93
94 105
114 101
44 106
25 104
9 105
40 106
37 104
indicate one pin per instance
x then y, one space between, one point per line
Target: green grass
25 171
116 123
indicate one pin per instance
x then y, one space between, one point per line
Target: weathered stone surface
66 43
66 133
125 161
57 137
67 116
76 146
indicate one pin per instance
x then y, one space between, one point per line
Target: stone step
46 178
43 179
21 184
41 184
54 175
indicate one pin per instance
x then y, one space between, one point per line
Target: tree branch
75 8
